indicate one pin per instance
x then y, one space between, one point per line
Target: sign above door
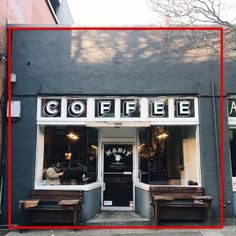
116 109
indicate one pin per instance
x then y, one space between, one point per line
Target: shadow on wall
115 62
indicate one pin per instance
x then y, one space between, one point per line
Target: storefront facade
118 143
115 112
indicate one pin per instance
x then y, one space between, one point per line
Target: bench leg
156 213
75 216
153 213
208 209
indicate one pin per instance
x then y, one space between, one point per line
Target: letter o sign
76 108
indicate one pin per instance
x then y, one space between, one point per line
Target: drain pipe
215 127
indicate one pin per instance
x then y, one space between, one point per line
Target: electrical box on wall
13 78
15 109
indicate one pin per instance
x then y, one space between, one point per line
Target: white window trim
39 155
85 187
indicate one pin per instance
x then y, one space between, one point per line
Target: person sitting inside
53 175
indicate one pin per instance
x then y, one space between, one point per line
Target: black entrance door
118 168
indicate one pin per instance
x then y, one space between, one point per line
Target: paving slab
227 231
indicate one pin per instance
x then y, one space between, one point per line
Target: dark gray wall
91 203
23 154
113 63
228 194
142 203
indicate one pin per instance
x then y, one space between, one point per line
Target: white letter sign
51 108
76 108
184 107
103 107
129 107
232 107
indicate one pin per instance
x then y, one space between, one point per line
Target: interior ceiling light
72 136
162 136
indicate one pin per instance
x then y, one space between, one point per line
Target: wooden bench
179 203
53 207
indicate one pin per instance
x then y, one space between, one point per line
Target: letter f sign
103 108
129 107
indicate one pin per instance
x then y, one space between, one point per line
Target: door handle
104 186
127 173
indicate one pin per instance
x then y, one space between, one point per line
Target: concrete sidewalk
226 231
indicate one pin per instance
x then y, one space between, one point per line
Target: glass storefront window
70 155
168 155
232 136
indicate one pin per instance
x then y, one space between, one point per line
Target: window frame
145 186
39 168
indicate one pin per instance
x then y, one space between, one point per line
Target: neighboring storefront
115 112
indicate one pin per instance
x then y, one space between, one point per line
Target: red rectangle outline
221 190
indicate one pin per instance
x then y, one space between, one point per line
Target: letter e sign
184 108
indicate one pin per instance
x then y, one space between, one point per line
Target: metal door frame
126 142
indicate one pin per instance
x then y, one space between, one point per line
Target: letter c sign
51 108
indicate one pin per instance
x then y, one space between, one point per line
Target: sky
111 12
127 12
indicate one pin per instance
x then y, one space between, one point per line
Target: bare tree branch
192 12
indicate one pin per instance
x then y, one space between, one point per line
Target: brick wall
29 12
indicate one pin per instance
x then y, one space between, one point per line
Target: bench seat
179 203
53 207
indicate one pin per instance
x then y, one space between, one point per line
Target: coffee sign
107 108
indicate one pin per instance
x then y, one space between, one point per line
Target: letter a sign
232 107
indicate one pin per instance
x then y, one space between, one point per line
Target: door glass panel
118 170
